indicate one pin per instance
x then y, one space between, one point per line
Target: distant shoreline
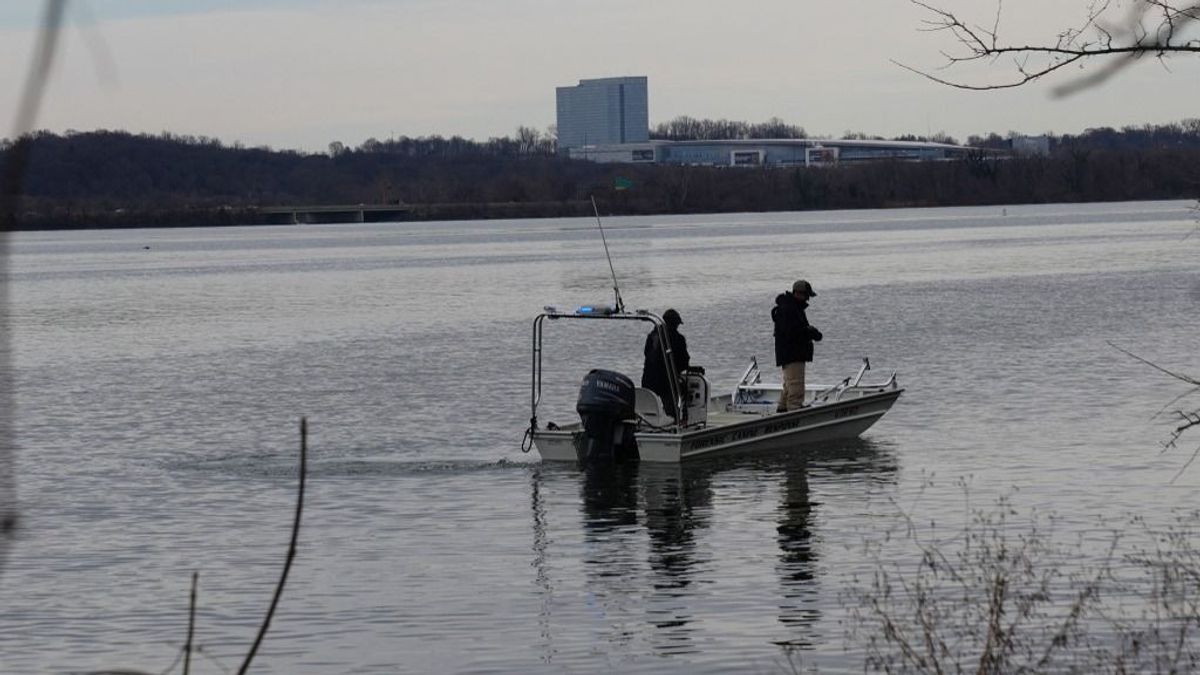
253 217
107 180
256 216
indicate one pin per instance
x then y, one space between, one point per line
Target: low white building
766 152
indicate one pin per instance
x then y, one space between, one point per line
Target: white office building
607 111
780 152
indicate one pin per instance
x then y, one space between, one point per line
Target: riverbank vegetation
1002 592
115 178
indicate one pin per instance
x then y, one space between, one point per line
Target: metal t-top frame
602 313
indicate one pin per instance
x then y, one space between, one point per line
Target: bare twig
212 659
17 157
1185 378
187 647
12 175
39 68
1195 208
291 554
1125 42
1187 418
1191 458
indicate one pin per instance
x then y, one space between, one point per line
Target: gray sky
302 73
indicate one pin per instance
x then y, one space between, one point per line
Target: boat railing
866 365
752 376
750 392
837 390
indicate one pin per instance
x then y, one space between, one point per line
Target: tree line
684 128
116 178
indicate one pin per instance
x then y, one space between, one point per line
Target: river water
162 374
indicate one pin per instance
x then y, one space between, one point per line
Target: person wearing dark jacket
655 375
794 338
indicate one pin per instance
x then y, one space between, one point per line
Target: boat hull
739 433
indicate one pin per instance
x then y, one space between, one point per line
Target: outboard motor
606 407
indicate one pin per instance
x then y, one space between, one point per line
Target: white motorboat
620 422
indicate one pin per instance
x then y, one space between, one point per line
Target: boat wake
276 466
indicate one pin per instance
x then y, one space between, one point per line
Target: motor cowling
606 408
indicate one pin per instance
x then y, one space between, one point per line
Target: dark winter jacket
794 336
654 371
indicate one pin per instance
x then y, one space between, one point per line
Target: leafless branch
1178 376
12 175
1195 208
1187 418
212 659
185 654
187 647
1124 42
291 554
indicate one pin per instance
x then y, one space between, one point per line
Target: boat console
695 396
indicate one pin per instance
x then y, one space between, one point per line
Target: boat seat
647 404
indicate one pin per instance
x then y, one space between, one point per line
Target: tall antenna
616 291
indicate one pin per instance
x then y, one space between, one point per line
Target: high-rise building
603 111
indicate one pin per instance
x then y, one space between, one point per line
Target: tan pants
792 397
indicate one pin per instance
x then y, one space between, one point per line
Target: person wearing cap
794 338
655 375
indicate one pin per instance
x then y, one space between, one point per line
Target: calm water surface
162 374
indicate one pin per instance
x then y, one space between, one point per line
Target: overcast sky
302 73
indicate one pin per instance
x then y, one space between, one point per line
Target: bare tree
1149 28
684 128
528 138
